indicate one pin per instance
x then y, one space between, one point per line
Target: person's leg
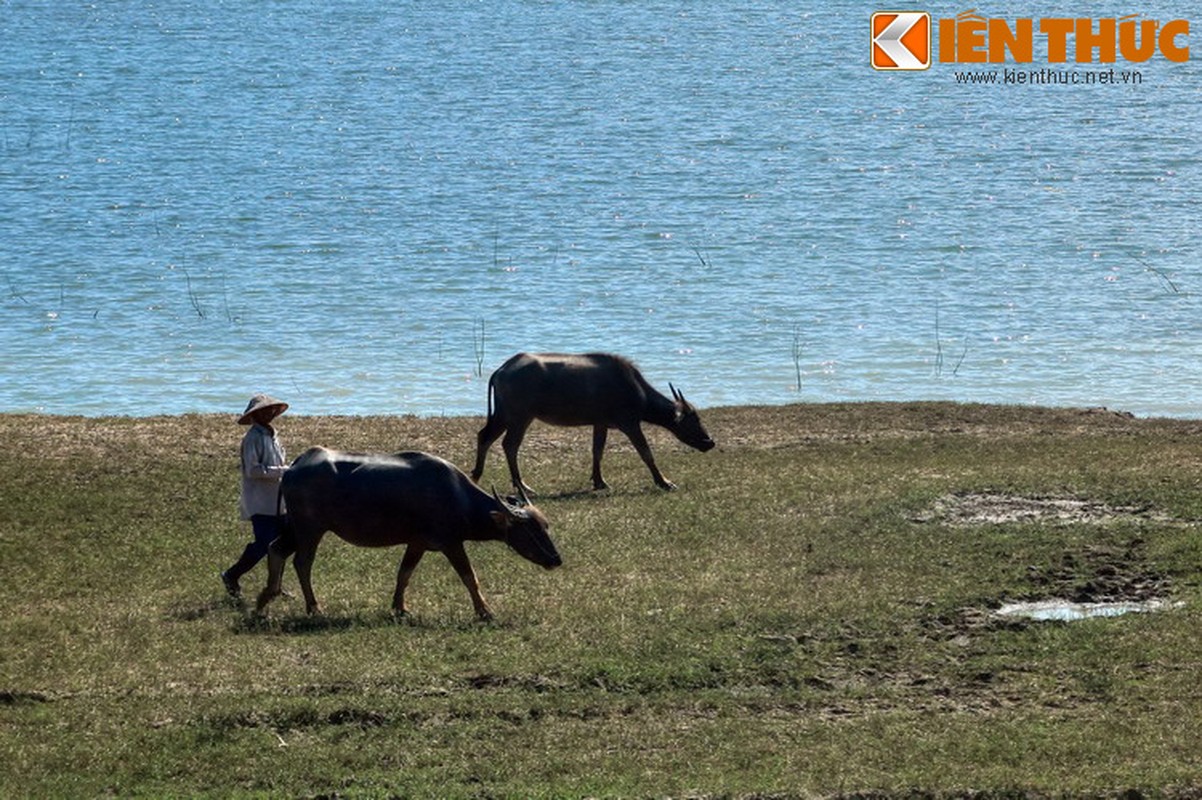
265 528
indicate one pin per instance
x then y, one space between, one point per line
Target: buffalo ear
502 517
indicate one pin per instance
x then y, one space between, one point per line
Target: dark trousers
266 527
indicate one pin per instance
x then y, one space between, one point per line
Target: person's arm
255 461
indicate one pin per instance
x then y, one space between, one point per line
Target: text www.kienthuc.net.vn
1046 76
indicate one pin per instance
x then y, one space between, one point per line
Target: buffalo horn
521 500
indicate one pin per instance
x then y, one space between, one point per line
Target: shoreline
454 437
294 414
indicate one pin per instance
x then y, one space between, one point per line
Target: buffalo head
524 528
688 427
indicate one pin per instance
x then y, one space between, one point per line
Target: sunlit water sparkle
199 201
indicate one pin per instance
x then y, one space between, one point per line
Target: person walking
263 464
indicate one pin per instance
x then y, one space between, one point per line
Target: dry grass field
814 613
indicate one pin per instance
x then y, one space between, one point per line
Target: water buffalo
597 389
414 499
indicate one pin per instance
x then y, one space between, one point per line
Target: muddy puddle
1098 580
1069 611
997 508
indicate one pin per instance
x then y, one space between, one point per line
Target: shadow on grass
248 621
598 495
575 494
193 613
257 624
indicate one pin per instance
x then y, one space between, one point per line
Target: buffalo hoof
264 598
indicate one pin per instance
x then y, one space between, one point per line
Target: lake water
362 206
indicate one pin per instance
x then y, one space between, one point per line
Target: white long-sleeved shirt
263 464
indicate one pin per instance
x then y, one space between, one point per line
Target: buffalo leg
458 558
491 431
302 562
600 432
510 444
413 554
635 434
277 555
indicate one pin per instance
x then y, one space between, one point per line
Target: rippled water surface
362 206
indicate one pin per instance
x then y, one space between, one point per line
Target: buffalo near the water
600 390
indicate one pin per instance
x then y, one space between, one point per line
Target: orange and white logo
901 40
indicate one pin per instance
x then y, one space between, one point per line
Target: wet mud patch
1100 574
1067 611
1096 581
966 659
982 664
999 508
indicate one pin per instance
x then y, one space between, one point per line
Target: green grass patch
811 614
